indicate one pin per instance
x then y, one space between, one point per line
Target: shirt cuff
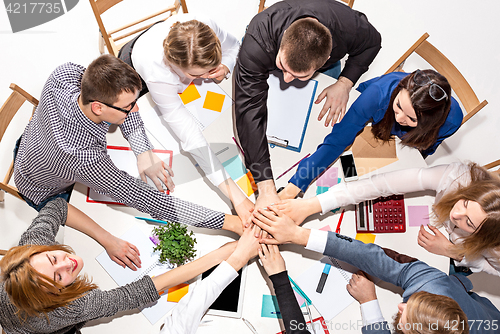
317 241
223 274
370 313
328 200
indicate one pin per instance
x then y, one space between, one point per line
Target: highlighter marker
324 276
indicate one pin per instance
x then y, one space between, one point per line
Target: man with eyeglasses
299 38
65 142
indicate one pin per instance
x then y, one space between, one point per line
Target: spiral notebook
335 286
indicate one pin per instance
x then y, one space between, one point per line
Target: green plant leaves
176 243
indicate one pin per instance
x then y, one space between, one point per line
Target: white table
191 186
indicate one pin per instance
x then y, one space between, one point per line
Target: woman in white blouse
168 56
467 204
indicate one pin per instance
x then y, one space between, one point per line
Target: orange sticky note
214 101
177 292
189 94
247 184
367 238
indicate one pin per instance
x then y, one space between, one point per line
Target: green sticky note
270 307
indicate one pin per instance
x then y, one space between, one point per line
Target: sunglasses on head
132 105
435 91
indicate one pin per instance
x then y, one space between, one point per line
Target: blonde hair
484 189
192 44
32 293
428 313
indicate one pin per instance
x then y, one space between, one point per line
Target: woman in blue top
416 107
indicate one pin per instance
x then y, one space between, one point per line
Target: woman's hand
280 226
247 248
361 288
299 209
271 259
219 73
436 243
122 252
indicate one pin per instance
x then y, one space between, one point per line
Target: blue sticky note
320 190
235 167
270 307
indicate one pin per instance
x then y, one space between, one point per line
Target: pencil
300 290
289 169
337 230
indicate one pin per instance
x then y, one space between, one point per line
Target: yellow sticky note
367 238
189 94
247 184
177 292
214 101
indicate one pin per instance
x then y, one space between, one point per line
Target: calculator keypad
388 215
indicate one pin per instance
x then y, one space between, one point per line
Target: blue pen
324 276
152 220
300 290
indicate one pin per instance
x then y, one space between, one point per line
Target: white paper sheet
288 108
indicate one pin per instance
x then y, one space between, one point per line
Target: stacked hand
271 259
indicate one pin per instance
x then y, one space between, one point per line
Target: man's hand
361 288
436 243
122 252
244 211
337 96
271 259
150 165
219 73
267 196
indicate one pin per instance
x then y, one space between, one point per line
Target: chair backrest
262 4
492 165
128 31
445 67
7 113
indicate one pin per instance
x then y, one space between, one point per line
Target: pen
238 145
324 276
151 220
249 325
289 169
275 312
337 230
216 153
300 291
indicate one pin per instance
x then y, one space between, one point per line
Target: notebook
334 297
292 103
150 266
125 159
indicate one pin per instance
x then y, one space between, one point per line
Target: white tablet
230 301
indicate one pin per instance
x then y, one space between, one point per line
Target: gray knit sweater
96 304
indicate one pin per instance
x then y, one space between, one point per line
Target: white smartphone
348 166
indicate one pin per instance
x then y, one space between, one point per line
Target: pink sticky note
300 299
326 228
418 215
329 178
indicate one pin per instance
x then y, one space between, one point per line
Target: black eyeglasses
435 91
132 105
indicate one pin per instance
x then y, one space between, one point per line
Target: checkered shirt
61 146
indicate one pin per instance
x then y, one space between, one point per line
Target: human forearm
190 270
289 308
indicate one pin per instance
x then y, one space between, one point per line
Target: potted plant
174 242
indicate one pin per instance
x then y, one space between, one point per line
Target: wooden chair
110 38
262 4
7 112
492 165
445 67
